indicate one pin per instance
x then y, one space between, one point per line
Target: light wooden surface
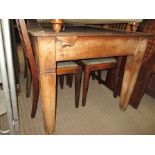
87 43
132 68
47 31
47 69
94 47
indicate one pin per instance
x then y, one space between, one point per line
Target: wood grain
95 47
132 68
47 68
48 96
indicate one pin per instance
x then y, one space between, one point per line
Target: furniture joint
47 72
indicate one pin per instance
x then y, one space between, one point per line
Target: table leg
131 71
47 70
48 95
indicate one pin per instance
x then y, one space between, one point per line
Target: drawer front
73 48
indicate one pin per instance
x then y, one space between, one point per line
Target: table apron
73 48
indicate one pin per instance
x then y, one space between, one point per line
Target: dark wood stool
92 65
70 68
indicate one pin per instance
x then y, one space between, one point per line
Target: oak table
83 42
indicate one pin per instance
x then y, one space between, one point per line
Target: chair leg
61 78
85 85
35 97
93 75
99 76
142 89
77 87
115 88
25 70
28 82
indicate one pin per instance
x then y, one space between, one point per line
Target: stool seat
66 64
99 61
92 65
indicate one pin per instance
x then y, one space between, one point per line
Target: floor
100 116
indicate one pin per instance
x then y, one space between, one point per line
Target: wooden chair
92 65
62 68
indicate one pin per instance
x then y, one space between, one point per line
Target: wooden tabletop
37 30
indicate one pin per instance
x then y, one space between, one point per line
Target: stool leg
99 77
69 80
115 86
85 85
93 75
61 78
117 76
77 87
